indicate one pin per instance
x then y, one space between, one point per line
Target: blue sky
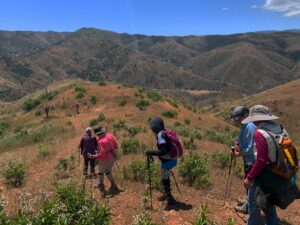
151 17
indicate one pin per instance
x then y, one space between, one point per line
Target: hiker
107 156
270 188
77 107
245 149
166 155
88 145
46 110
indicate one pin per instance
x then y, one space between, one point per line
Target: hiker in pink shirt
107 145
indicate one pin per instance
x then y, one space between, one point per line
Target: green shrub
63 168
187 121
170 113
134 130
80 92
154 96
227 139
93 122
93 100
172 102
119 124
30 104
79 95
38 113
101 117
43 151
102 83
142 104
122 102
14 174
181 130
130 145
3 127
49 96
143 218
202 218
137 171
221 158
194 170
189 144
70 206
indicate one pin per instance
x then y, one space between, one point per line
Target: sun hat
259 113
239 112
99 130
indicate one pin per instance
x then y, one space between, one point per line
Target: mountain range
242 63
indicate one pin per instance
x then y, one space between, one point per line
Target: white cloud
225 9
253 6
289 8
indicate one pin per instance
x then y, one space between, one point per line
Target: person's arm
262 156
250 132
163 147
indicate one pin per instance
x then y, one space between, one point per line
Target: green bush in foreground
142 104
194 170
30 104
69 207
130 145
14 174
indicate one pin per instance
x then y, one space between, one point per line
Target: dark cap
239 112
99 130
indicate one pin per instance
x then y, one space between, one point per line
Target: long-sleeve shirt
262 156
88 144
107 146
246 141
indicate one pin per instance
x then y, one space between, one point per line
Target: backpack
282 154
176 149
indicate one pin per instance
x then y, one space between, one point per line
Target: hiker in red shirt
107 145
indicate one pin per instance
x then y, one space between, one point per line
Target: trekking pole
149 161
229 173
118 167
78 160
175 182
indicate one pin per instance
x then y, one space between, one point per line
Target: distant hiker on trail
169 149
77 107
88 145
274 171
107 156
245 149
46 110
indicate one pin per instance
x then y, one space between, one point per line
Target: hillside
283 101
30 60
42 144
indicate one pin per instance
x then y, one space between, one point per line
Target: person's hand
90 156
147 153
247 183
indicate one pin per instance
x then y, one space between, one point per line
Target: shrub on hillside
227 139
187 121
70 206
221 158
80 92
49 96
172 102
130 145
42 151
102 83
154 96
137 171
93 122
119 124
38 113
122 102
3 127
101 117
189 144
30 104
194 170
142 104
14 174
170 113
134 130
63 168
93 100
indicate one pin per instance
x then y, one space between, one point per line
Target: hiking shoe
163 197
85 173
241 201
242 209
171 200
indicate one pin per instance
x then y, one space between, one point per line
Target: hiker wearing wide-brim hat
88 145
261 175
244 148
107 145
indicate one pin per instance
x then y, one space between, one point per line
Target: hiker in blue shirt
246 150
